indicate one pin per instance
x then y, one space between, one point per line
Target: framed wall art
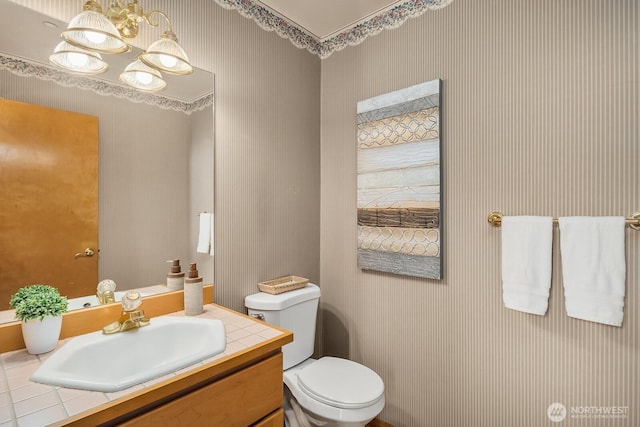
399 182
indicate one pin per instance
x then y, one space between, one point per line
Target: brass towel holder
495 219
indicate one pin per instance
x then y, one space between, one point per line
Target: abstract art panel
399 176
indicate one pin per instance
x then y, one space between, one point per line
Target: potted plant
40 309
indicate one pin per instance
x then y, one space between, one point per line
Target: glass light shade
92 30
142 77
77 60
167 55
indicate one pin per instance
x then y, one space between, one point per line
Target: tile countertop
24 403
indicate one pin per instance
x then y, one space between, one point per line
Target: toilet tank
295 311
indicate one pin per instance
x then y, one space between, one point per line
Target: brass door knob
87 253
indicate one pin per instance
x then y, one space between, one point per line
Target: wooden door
48 199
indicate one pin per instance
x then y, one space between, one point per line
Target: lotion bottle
175 278
193 304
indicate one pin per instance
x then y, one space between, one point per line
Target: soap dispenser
193 292
175 278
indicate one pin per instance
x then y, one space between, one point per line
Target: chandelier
93 32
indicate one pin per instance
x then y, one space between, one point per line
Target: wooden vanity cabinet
276 419
250 397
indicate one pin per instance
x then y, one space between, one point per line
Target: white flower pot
41 336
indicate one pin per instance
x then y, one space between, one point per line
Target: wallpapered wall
540 117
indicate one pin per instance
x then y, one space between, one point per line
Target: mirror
155 153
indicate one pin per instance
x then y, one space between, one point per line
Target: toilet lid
341 383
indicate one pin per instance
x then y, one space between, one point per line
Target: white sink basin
110 363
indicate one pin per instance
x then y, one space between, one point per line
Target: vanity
240 387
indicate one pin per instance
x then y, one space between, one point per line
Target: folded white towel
205 233
526 263
211 234
593 268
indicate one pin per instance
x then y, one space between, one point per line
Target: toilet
330 391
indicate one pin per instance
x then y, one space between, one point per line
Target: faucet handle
131 300
106 285
105 291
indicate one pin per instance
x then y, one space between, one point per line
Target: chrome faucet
106 291
131 318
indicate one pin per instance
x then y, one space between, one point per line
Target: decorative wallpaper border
27 68
355 35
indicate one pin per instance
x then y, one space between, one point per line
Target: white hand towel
526 263
211 235
593 268
204 234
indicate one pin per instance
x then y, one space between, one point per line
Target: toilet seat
329 411
341 383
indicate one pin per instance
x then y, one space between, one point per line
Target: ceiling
326 26
326 18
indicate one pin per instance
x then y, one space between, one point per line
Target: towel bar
495 219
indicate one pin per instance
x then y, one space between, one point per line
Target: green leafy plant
38 302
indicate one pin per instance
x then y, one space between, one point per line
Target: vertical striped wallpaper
540 116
